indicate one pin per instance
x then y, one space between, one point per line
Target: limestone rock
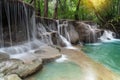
74 36
48 54
15 66
12 77
28 63
86 33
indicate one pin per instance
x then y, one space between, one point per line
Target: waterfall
44 34
15 21
23 48
92 32
27 24
7 11
66 42
33 25
19 30
62 29
107 36
63 34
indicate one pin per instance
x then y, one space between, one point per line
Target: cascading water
63 34
62 29
65 41
14 21
92 33
25 24
26 19
44 35
23 48
7 11
107 36
21 28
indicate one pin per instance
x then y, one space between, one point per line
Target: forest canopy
101 11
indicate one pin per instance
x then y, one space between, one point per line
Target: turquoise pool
107 53
59 71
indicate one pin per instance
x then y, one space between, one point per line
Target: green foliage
26 1
109 10
112 16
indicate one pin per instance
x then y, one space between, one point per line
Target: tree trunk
77 9
56 10
45 8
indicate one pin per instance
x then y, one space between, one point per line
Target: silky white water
23 48
63 34
62 59
108 36
44 35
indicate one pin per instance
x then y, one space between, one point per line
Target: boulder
88 33
15 66
73 34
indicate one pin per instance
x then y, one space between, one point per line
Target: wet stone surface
28 63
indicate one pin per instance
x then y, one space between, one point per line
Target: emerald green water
59 71
106 53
